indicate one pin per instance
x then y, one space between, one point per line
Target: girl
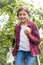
27 38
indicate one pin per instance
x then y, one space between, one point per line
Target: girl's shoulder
33 23
18 26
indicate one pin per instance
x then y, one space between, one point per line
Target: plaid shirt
34 39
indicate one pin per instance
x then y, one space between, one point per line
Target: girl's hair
25 8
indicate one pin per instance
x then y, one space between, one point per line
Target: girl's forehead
22 11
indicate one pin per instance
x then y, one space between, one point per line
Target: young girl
27 38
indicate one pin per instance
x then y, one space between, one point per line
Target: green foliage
7 34
41 55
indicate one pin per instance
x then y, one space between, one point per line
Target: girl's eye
21 14
24 14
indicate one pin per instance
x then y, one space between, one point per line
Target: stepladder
38 60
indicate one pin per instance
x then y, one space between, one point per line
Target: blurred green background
8 20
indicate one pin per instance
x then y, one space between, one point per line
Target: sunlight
37 3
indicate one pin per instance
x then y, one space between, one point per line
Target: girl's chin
22 22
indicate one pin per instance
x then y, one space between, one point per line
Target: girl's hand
28 31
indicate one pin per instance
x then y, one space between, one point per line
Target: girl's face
23 16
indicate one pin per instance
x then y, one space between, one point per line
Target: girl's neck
24 23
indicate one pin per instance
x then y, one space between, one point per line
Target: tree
7 33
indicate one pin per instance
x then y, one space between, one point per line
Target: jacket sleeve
34 36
